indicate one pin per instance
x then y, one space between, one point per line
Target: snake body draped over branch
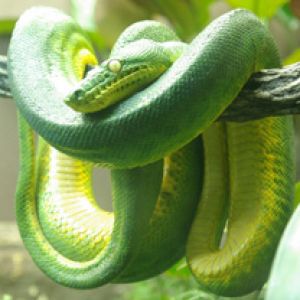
171 93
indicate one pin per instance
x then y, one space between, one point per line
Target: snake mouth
99 89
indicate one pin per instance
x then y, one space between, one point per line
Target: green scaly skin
75 242
139 63
248 167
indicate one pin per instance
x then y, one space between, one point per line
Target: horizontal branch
270 92
4 87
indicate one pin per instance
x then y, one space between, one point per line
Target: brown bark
270 92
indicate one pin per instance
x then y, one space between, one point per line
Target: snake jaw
100 90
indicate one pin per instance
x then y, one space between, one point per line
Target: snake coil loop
172 92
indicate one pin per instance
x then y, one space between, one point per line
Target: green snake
171 92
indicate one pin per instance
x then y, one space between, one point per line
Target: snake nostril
78 94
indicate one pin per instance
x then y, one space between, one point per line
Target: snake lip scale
174 191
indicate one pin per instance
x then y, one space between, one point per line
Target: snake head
130 70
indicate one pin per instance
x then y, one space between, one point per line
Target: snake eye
114 65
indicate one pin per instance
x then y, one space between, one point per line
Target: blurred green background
105 20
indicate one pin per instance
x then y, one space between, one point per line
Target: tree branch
270 92
4 87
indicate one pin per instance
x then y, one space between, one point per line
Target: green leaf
297 190
287 18
264 9
7 26
284 279
201 11
179 270
105 20
187 17
84 14
292 58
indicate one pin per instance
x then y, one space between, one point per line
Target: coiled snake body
248 167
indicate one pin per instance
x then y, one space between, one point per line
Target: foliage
286 265
188 17
83 12
264 9
293 57
176 284
297 194
6 26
